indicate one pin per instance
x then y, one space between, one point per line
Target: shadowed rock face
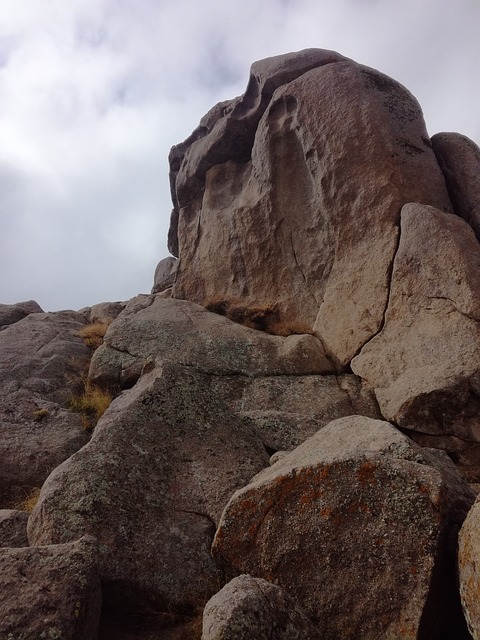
296 218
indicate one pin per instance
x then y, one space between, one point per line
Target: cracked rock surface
295 222
424 363
358 525
150 486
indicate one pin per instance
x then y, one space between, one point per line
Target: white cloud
94 92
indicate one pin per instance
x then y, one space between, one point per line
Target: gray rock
13 528
358 525
50 592
250 607
153 330
103 311
286 410
151 485
11 313
41 364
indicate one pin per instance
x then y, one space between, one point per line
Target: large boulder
153 330
249 608
337 151
459 158
50 592
150 486
42 360
469 568
358 525
11 313
425 362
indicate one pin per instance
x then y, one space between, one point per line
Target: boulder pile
282 440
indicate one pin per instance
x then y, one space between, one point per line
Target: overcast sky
93 93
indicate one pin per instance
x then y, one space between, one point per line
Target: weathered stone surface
165 274
424 363
165 458
358 525
154 330
286 410
459 159
103 311
10 313
250 607
227 131
41 361
13 528
468 568
50 592
338 141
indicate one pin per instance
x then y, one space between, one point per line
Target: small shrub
263 318
29 502
40 414
93 334
91 404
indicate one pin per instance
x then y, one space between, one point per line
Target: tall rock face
283 197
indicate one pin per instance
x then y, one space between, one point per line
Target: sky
93 93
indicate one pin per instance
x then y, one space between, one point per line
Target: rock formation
296 405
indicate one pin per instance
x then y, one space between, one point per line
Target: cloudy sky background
93 93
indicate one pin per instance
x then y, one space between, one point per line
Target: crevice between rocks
389 287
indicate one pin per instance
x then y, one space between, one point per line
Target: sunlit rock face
291 195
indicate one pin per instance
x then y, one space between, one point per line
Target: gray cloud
94 92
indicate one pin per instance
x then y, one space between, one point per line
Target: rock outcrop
42 360
332 143
325 280
165 457
424 363
330 521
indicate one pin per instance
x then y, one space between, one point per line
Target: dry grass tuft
29 502
263 318
93 334
40 414
91 404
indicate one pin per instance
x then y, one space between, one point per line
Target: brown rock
424 363
468 567
150 486
50 592
336 142
13 528
41 362
156 330
165 274
254 608
358 526
459 159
